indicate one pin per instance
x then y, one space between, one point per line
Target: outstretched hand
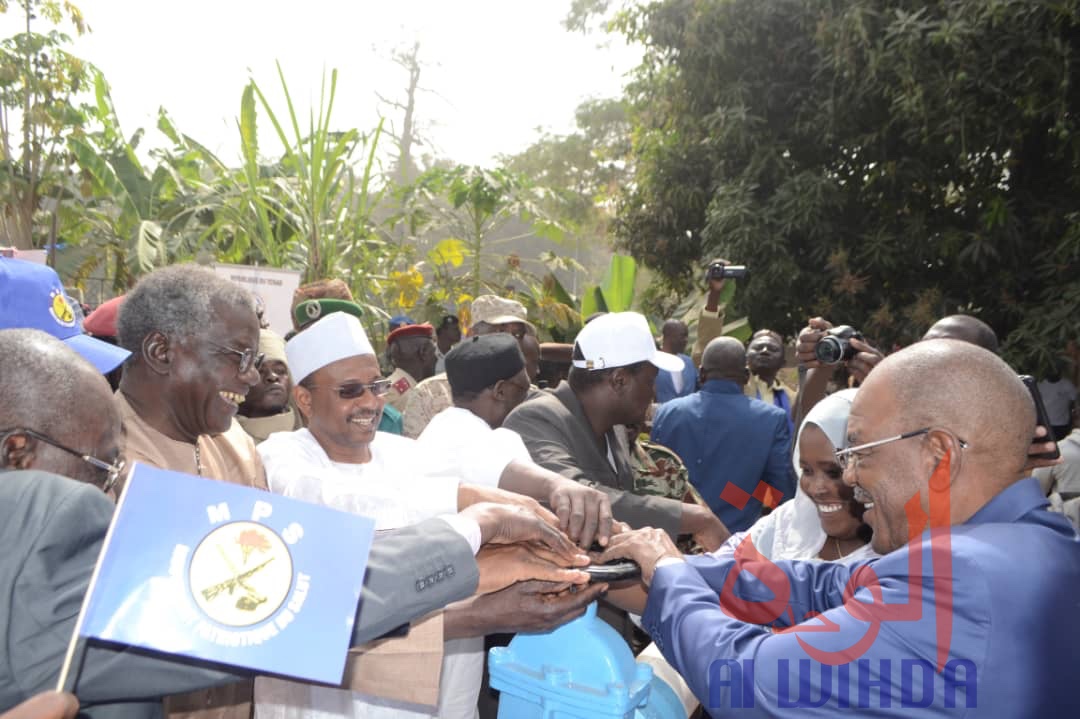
470 494
534 606
507 524
584 513
645 546
504 564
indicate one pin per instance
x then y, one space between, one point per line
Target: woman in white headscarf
822 523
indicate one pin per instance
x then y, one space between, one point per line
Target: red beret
421 330
102 321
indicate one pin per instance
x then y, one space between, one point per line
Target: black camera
719 270
835 347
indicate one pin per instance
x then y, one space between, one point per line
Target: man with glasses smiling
969 607
194 340
52 529
340 460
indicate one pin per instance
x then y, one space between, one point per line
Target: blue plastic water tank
582 669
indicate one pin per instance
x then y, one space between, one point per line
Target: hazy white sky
501 68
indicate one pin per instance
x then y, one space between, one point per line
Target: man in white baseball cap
575 430
620 339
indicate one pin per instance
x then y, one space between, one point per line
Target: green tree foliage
881 163
41 85
129 217
469 220
472 206
583 172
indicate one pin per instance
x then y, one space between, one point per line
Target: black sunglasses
352 390
112 470
248 358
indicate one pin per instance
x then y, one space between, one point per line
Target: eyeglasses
248 358
112 470
352 390
850 457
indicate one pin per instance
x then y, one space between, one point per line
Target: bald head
51 389
724 358
966 329
673 336
968 390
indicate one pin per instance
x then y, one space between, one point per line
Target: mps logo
60 308
240 574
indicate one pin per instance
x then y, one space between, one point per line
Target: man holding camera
711 317
820 349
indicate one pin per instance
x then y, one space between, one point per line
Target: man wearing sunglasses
340 460
52 529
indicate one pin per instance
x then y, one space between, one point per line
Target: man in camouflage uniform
659 472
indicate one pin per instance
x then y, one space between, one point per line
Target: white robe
396 488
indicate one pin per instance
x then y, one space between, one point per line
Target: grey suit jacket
52 529
558 435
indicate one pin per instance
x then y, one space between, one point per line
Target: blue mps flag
229 574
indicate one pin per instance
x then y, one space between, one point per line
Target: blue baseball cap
31 296
400 321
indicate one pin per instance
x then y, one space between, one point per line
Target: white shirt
676 381
396 488
457 441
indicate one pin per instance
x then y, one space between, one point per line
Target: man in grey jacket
53 527
577 430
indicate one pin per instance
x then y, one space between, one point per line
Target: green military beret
310 310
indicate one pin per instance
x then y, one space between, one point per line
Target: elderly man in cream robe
341 460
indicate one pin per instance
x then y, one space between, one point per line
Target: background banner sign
275 287
229 574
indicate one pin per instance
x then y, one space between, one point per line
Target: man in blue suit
971 610
673 338
729 442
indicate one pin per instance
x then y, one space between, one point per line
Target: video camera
720 270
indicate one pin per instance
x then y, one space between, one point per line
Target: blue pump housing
582 669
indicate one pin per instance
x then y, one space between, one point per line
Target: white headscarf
793 530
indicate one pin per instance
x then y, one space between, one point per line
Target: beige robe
259 428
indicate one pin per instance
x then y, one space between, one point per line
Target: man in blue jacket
969 613
673 338
735 447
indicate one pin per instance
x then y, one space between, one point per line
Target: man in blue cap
32 296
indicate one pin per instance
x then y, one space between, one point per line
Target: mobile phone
1041 418
617 570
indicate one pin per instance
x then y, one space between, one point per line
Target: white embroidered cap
336 336
619 339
